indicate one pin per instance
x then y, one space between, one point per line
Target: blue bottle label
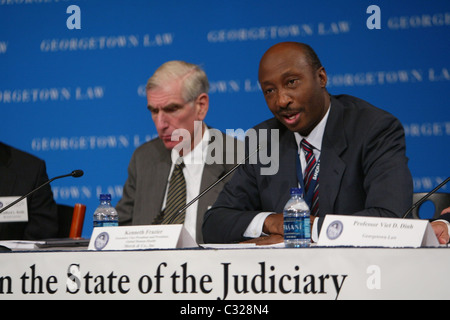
100 224
297 228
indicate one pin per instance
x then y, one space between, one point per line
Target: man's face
294 92
170 112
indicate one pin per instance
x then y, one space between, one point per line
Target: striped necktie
176 196
308 176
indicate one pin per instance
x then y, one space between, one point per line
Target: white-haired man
166 173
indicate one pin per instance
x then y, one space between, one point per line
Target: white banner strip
314 273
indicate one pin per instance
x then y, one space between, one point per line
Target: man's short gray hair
195 82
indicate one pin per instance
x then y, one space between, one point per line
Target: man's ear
323 78
202 106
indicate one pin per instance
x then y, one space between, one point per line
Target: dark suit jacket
363 172
145 188
20 173
445 217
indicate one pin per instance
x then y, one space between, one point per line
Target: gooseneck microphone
75 174
423 199
218 181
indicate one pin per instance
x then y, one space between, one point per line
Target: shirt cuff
255 228
315 231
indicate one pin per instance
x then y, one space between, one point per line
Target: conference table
227 273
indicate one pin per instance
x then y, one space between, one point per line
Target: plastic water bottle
297 224
105 215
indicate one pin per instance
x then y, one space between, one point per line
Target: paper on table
15 244
239 245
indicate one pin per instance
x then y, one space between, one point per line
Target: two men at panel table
360 148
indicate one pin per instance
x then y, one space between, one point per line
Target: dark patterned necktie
176 196
311 164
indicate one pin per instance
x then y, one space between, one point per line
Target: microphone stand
418 203
76 174
217 182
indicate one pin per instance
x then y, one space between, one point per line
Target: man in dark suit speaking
361 151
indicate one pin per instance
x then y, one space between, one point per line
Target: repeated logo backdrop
76 97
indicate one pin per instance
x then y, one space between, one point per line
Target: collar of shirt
315 139
197 156
316 136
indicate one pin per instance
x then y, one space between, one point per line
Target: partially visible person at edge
441 226
20 173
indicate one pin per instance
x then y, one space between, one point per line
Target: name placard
141 237
376 232
17 213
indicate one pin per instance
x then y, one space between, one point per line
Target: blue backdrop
76 97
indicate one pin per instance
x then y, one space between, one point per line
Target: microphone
75 174
422 200
218 181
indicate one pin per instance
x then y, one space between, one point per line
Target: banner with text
72 90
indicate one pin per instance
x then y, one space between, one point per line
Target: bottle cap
296 191
105 197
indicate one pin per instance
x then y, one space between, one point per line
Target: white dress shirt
254 230
193 170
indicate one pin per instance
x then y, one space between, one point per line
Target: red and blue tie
311 164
